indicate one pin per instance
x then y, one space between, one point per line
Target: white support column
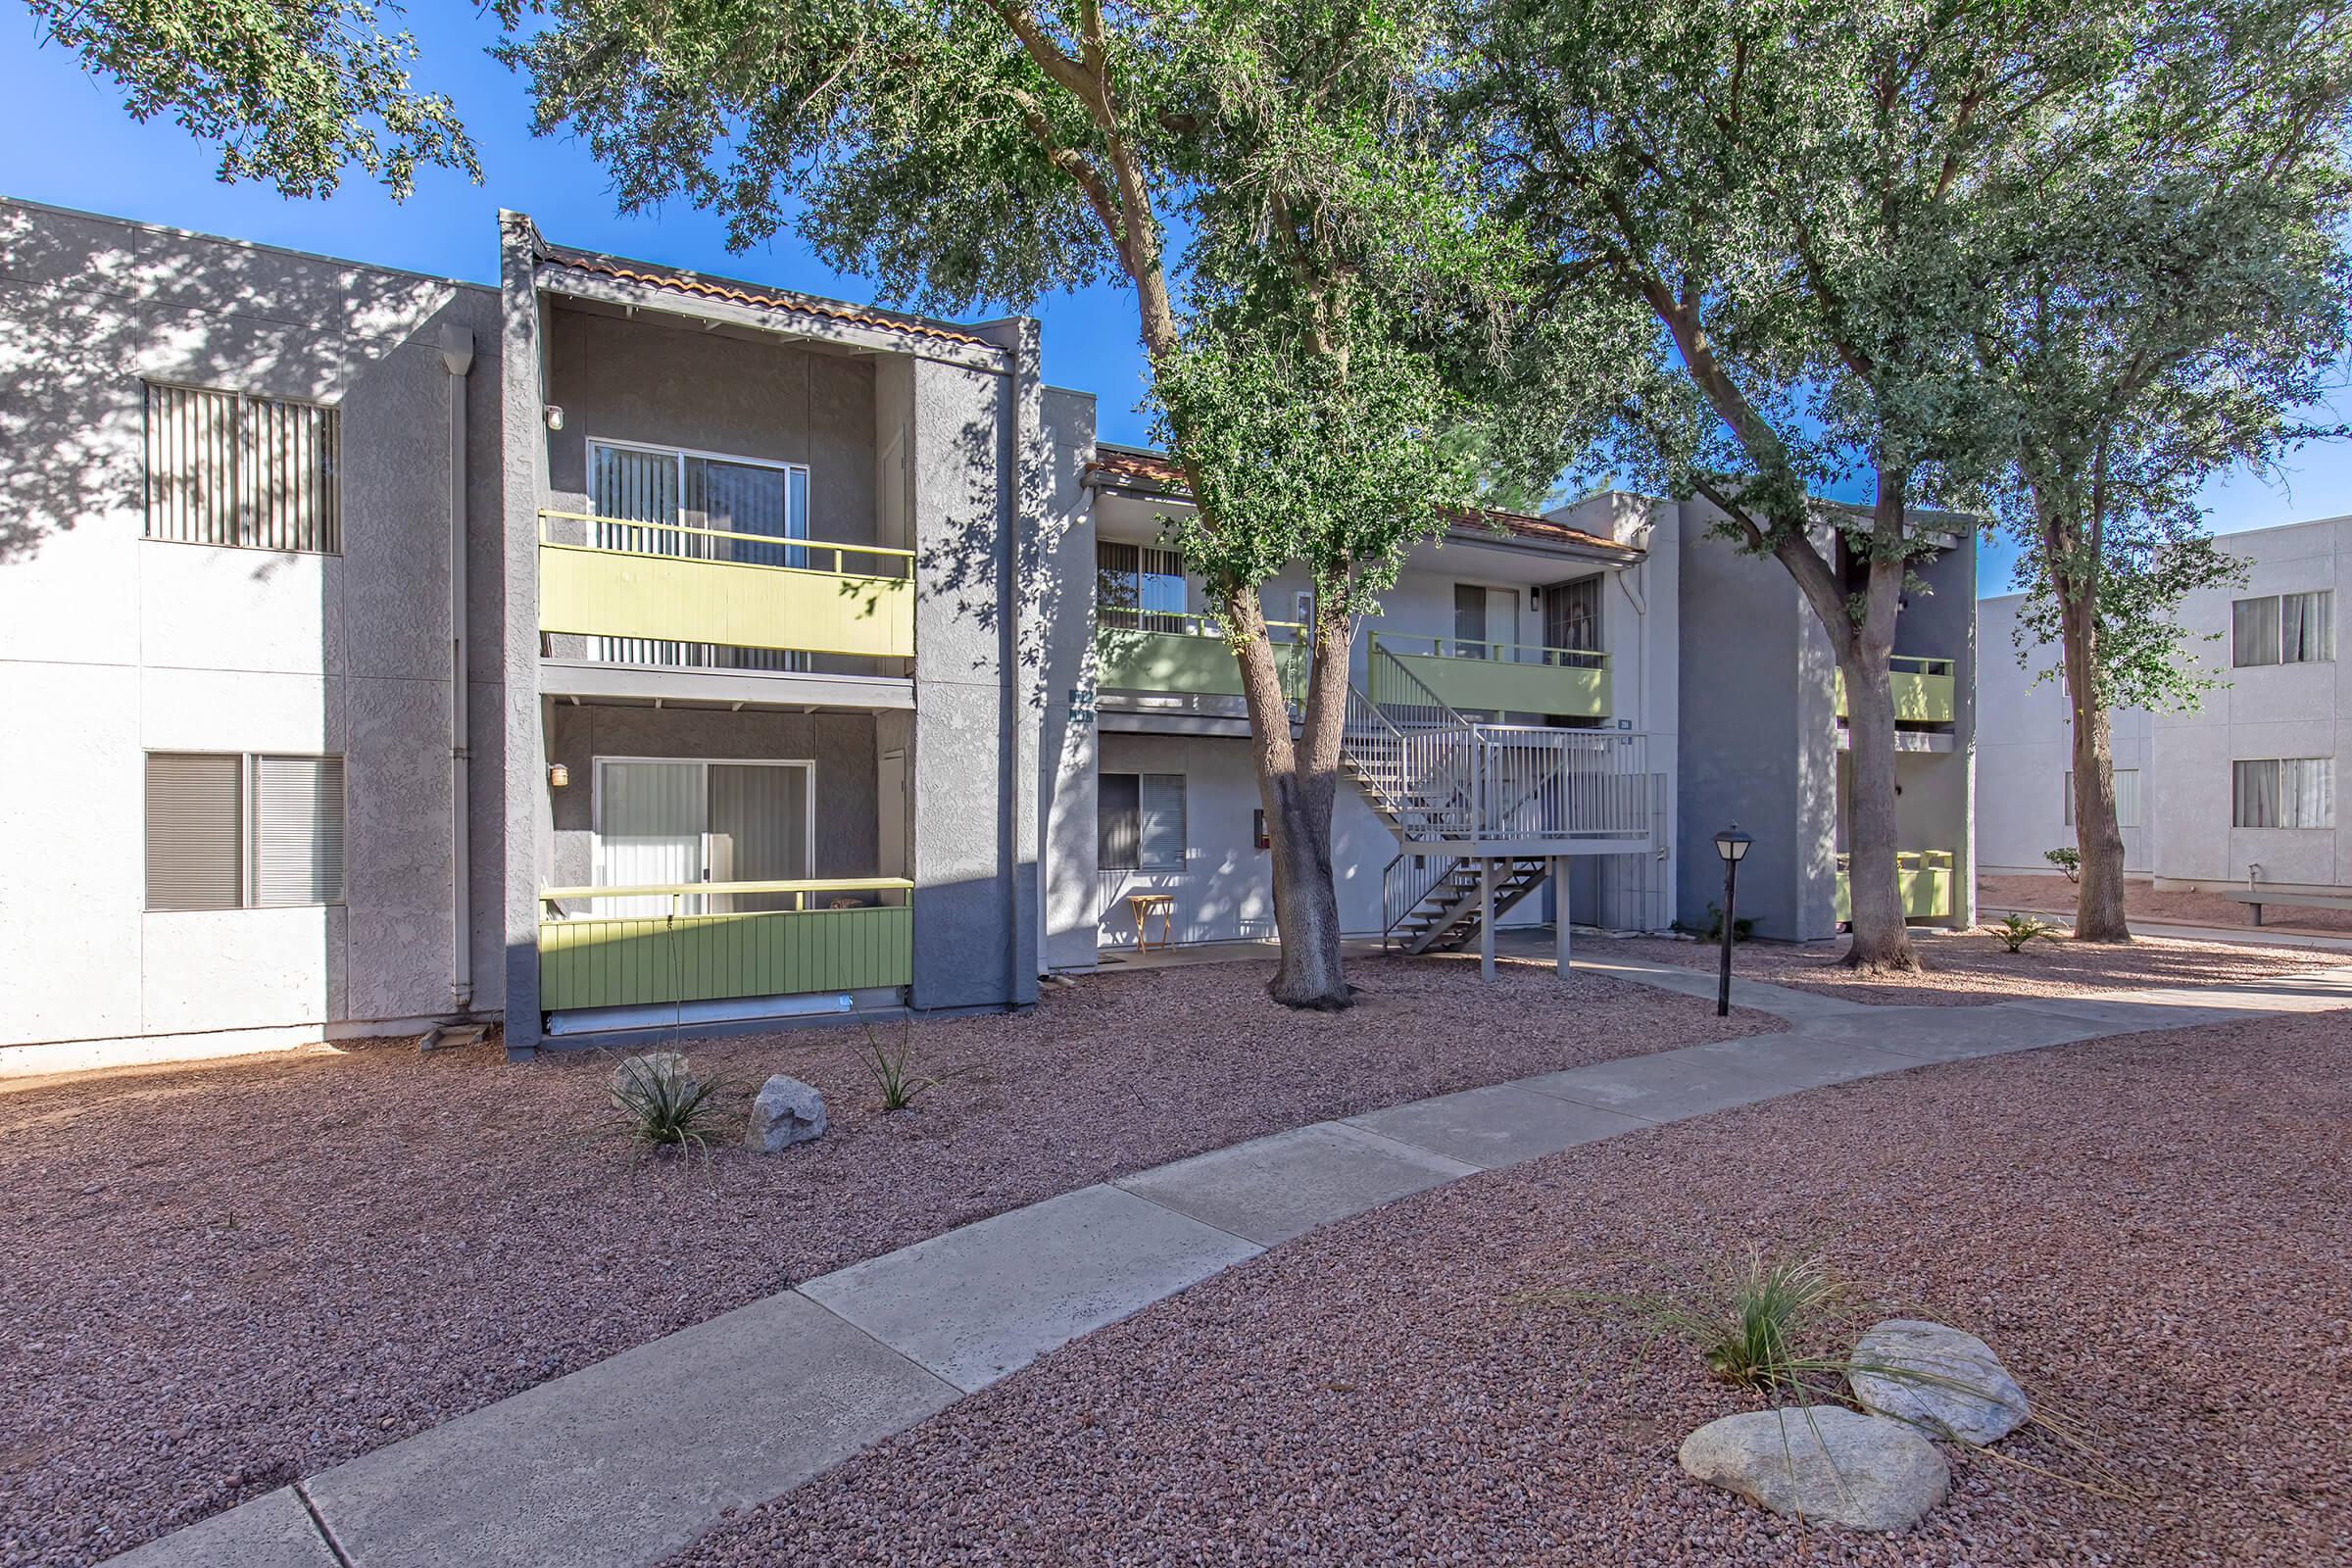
1485 919
1559 906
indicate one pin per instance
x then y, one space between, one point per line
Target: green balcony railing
1143 650
698 952
1500 677
1925 689
666 582
1925 878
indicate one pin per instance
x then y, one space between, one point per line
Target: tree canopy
296 92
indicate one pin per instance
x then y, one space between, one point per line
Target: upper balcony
1925 690
611 577
1488 677
1166 654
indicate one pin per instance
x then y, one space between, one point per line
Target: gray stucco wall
1062 607
1744 753
668 383
113 645
975 922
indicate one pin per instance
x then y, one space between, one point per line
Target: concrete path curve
625 1462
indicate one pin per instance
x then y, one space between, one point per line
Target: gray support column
522 447
1559 905
1486 917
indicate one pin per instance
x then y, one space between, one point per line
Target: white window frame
703 765
2067 820
2278 649
659 449
2278 763
335 476
1184 826
249 825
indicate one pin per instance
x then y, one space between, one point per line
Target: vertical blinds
227 470
195 814
298 830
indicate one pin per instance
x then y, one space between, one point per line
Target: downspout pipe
456 358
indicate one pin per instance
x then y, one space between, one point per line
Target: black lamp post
1732 845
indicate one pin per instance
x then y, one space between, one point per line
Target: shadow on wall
965 558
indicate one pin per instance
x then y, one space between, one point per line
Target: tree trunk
1873 884
1297 784
2098 836
1874 891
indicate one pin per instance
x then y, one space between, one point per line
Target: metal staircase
1467 800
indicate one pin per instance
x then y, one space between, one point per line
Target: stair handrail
1403 885
1439 748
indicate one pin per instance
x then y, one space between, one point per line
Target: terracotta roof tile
1136 468
797 305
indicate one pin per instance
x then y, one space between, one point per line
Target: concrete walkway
627 1462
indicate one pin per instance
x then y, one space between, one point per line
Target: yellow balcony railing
709 941
1924 877
1147 650
668 582
1500 677
1925 690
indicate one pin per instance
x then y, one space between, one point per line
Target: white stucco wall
113 645
2185 759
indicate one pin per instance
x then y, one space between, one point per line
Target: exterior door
675 823
1486 620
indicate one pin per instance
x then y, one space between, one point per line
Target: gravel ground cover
1972 969
2141 901
2149 1231
217 1279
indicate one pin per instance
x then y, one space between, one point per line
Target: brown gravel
221 1278
2141 901
1972 969
2150 1230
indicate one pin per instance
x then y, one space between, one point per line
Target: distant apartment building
2243 788
618 649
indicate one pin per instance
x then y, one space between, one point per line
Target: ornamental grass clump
893 1073
662 1108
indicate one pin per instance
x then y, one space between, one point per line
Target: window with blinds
224 468
2283 792
228 831
1139 822
195 831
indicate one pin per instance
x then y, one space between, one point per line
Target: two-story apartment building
2240 789
617 649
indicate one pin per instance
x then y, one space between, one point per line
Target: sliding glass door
662 501
671 823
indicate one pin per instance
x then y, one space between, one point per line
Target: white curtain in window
2307 627
2254 632
2254 794
758 832
2307 792
227 470
2126 797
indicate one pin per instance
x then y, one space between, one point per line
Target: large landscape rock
632 1075
1941 1379
1825 1463
786 1111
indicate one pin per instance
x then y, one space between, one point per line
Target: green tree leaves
295 92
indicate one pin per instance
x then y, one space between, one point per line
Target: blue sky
64 140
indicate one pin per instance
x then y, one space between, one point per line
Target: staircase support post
1559 913
1485 919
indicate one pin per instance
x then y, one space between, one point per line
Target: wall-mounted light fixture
554 417
558 776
